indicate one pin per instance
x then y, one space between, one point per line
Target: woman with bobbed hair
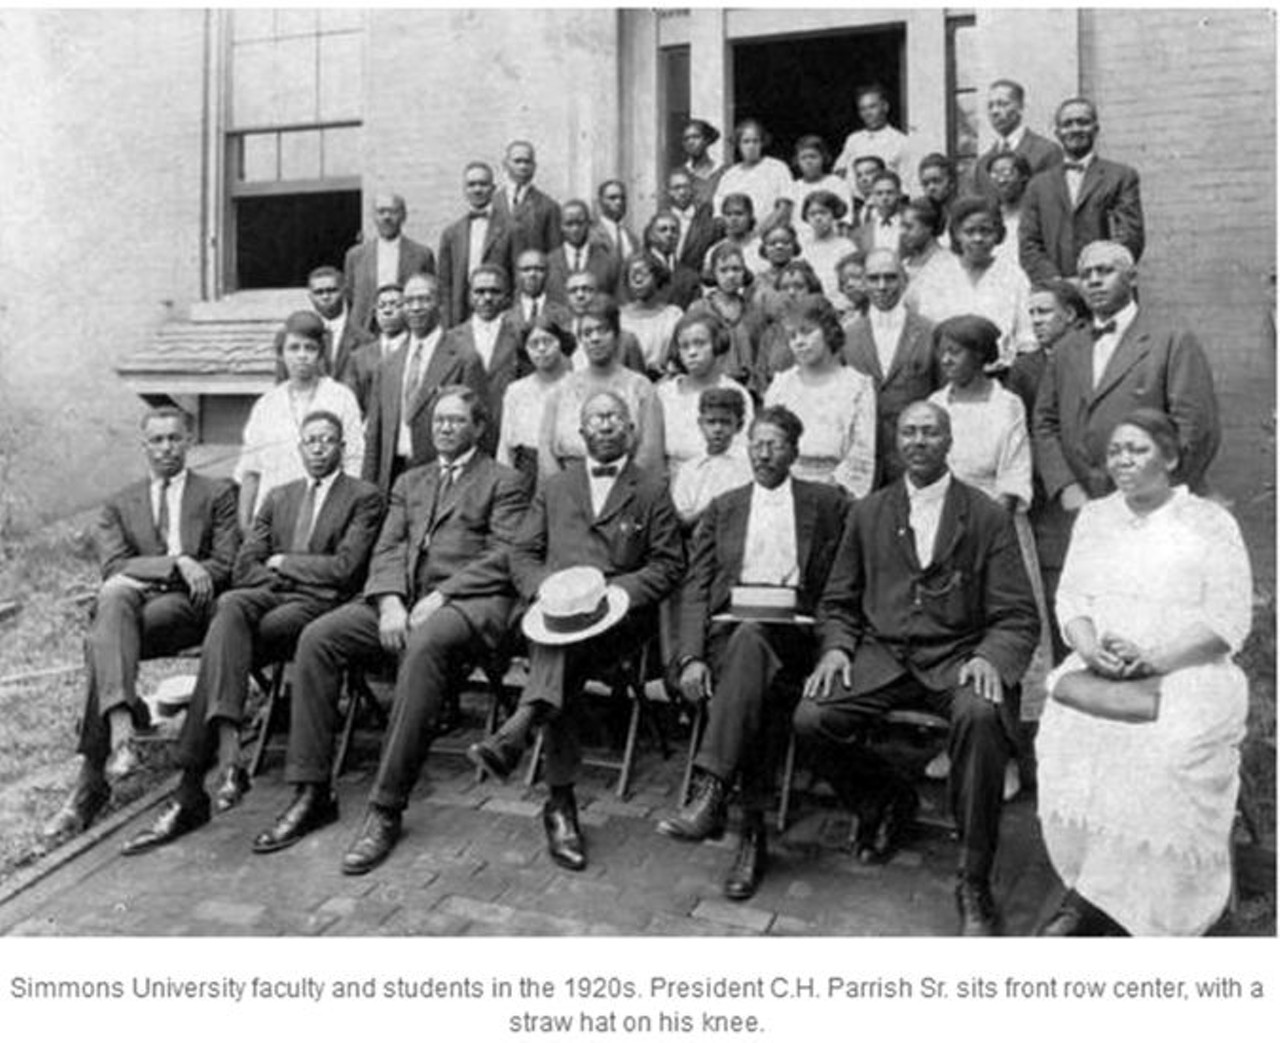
1139 745
797 280
546 347
646 315
836 403
269 454
767 181
977 282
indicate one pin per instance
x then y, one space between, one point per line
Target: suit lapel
806 520
189 516
906 341
1131 350
1091 180
624 487
440 365
735 534
331 510
902 535
449 499
393 385
951 525
866 357
142 522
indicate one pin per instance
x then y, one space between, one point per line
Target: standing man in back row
531 215
877 138
1005 100
389 260
478 237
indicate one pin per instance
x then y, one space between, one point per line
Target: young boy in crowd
721 414
882 227
865 171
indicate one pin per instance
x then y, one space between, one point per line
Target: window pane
258 158
965 56
300 155
295 80
342 19
293 22
252 82
248 23
341 76
342 152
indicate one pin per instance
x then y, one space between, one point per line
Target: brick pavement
472 862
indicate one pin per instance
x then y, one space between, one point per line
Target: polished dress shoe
377 837
565 843
883 827
748 865
83 805
176 820
703 817
977 909
496 755
233 784
314 806
123 762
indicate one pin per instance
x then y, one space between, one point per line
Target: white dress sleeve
1013 464
856 469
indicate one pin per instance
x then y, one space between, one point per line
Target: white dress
766 183
838 444
683 437
1137 817
1001 294
653 329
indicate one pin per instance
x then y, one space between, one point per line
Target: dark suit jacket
912 375
601 263
464 539
704 232
1154 365
535 223
558 311
342 354
715 562
635 541
1039 151
450 364
891 617
505 366
333 566
456 264
128 543
361 269
1051 232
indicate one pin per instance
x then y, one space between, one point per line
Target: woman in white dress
813 162
836 403
1139 745
767 181
548 346
269 454
646 315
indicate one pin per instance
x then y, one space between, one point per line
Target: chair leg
274 690
357 692
629 751
695 739
788 778
494 677
535 761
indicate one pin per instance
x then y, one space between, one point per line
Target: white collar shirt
485 334
1011 143
323 487
388 345
1105 345
336 327
601 485
769 555
886 231
388 254
925 513
886 331
173 498
417 359
477 232
531 305
1075 171
575 257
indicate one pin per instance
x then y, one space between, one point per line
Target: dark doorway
805 85
280 238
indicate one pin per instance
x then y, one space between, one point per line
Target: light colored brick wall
1188 98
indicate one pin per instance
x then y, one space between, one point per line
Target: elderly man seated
928 604
760 560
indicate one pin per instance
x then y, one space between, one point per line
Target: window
962 94
293 148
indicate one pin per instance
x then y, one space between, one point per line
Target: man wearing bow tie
480 237
608 513
1078 201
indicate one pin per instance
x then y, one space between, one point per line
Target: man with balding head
480 237
531 215
928 605
389 259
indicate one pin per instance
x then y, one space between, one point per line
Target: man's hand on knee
393 623
833 664
425 609
985 679
695 681
196 577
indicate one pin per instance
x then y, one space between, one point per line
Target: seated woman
835 403
701 344
1139 745
547 347
269 456
647 316
730 301
560 439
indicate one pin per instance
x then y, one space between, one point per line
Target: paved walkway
472 861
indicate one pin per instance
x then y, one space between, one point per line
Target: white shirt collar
928 493
780 494
890 319
1015 139
459 464
176 482
1123 319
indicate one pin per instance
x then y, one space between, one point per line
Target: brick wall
1188 98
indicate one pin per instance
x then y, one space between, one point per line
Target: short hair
704 128
426 277
1067 295
728 399
520 143
479 164
783 419
1020 163
870 88
801 267
1117 252
643 258
1159 426
853 258
604 308
580 204
325 271
548 323
168 412
720 339
303 324
766 139
814 143
974 333
963 209
1093 109
724 249
930 214
647 235
877 161
618 400
884 251
1013 87
611 181
817 309
387 286
326 416
826 199
679 172
791 233
937 159
489 268
739 199
939 412
525 253
888 175
473 400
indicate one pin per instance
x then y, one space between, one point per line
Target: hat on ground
573 605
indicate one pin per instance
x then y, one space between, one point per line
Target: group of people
824 464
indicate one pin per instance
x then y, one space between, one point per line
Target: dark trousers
759 670
129 625
979 743
251 627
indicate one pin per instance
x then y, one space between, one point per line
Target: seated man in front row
306 553
776 536
166 545
612 516
928 604
435 599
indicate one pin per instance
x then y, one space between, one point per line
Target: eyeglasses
321 441
450 421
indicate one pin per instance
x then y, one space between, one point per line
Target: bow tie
1097 332
886 222
1079 168
605 471
477 215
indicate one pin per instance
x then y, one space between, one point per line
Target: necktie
413 376
577 258
1077 167
533 309
162 515
302 527
1098 332
1006 147
605 471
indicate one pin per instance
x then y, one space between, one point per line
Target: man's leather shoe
748 865
232 786
377 837
176 820
313 807
883 828
83 805
496 756
703 817
123 762
564 837
977 909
